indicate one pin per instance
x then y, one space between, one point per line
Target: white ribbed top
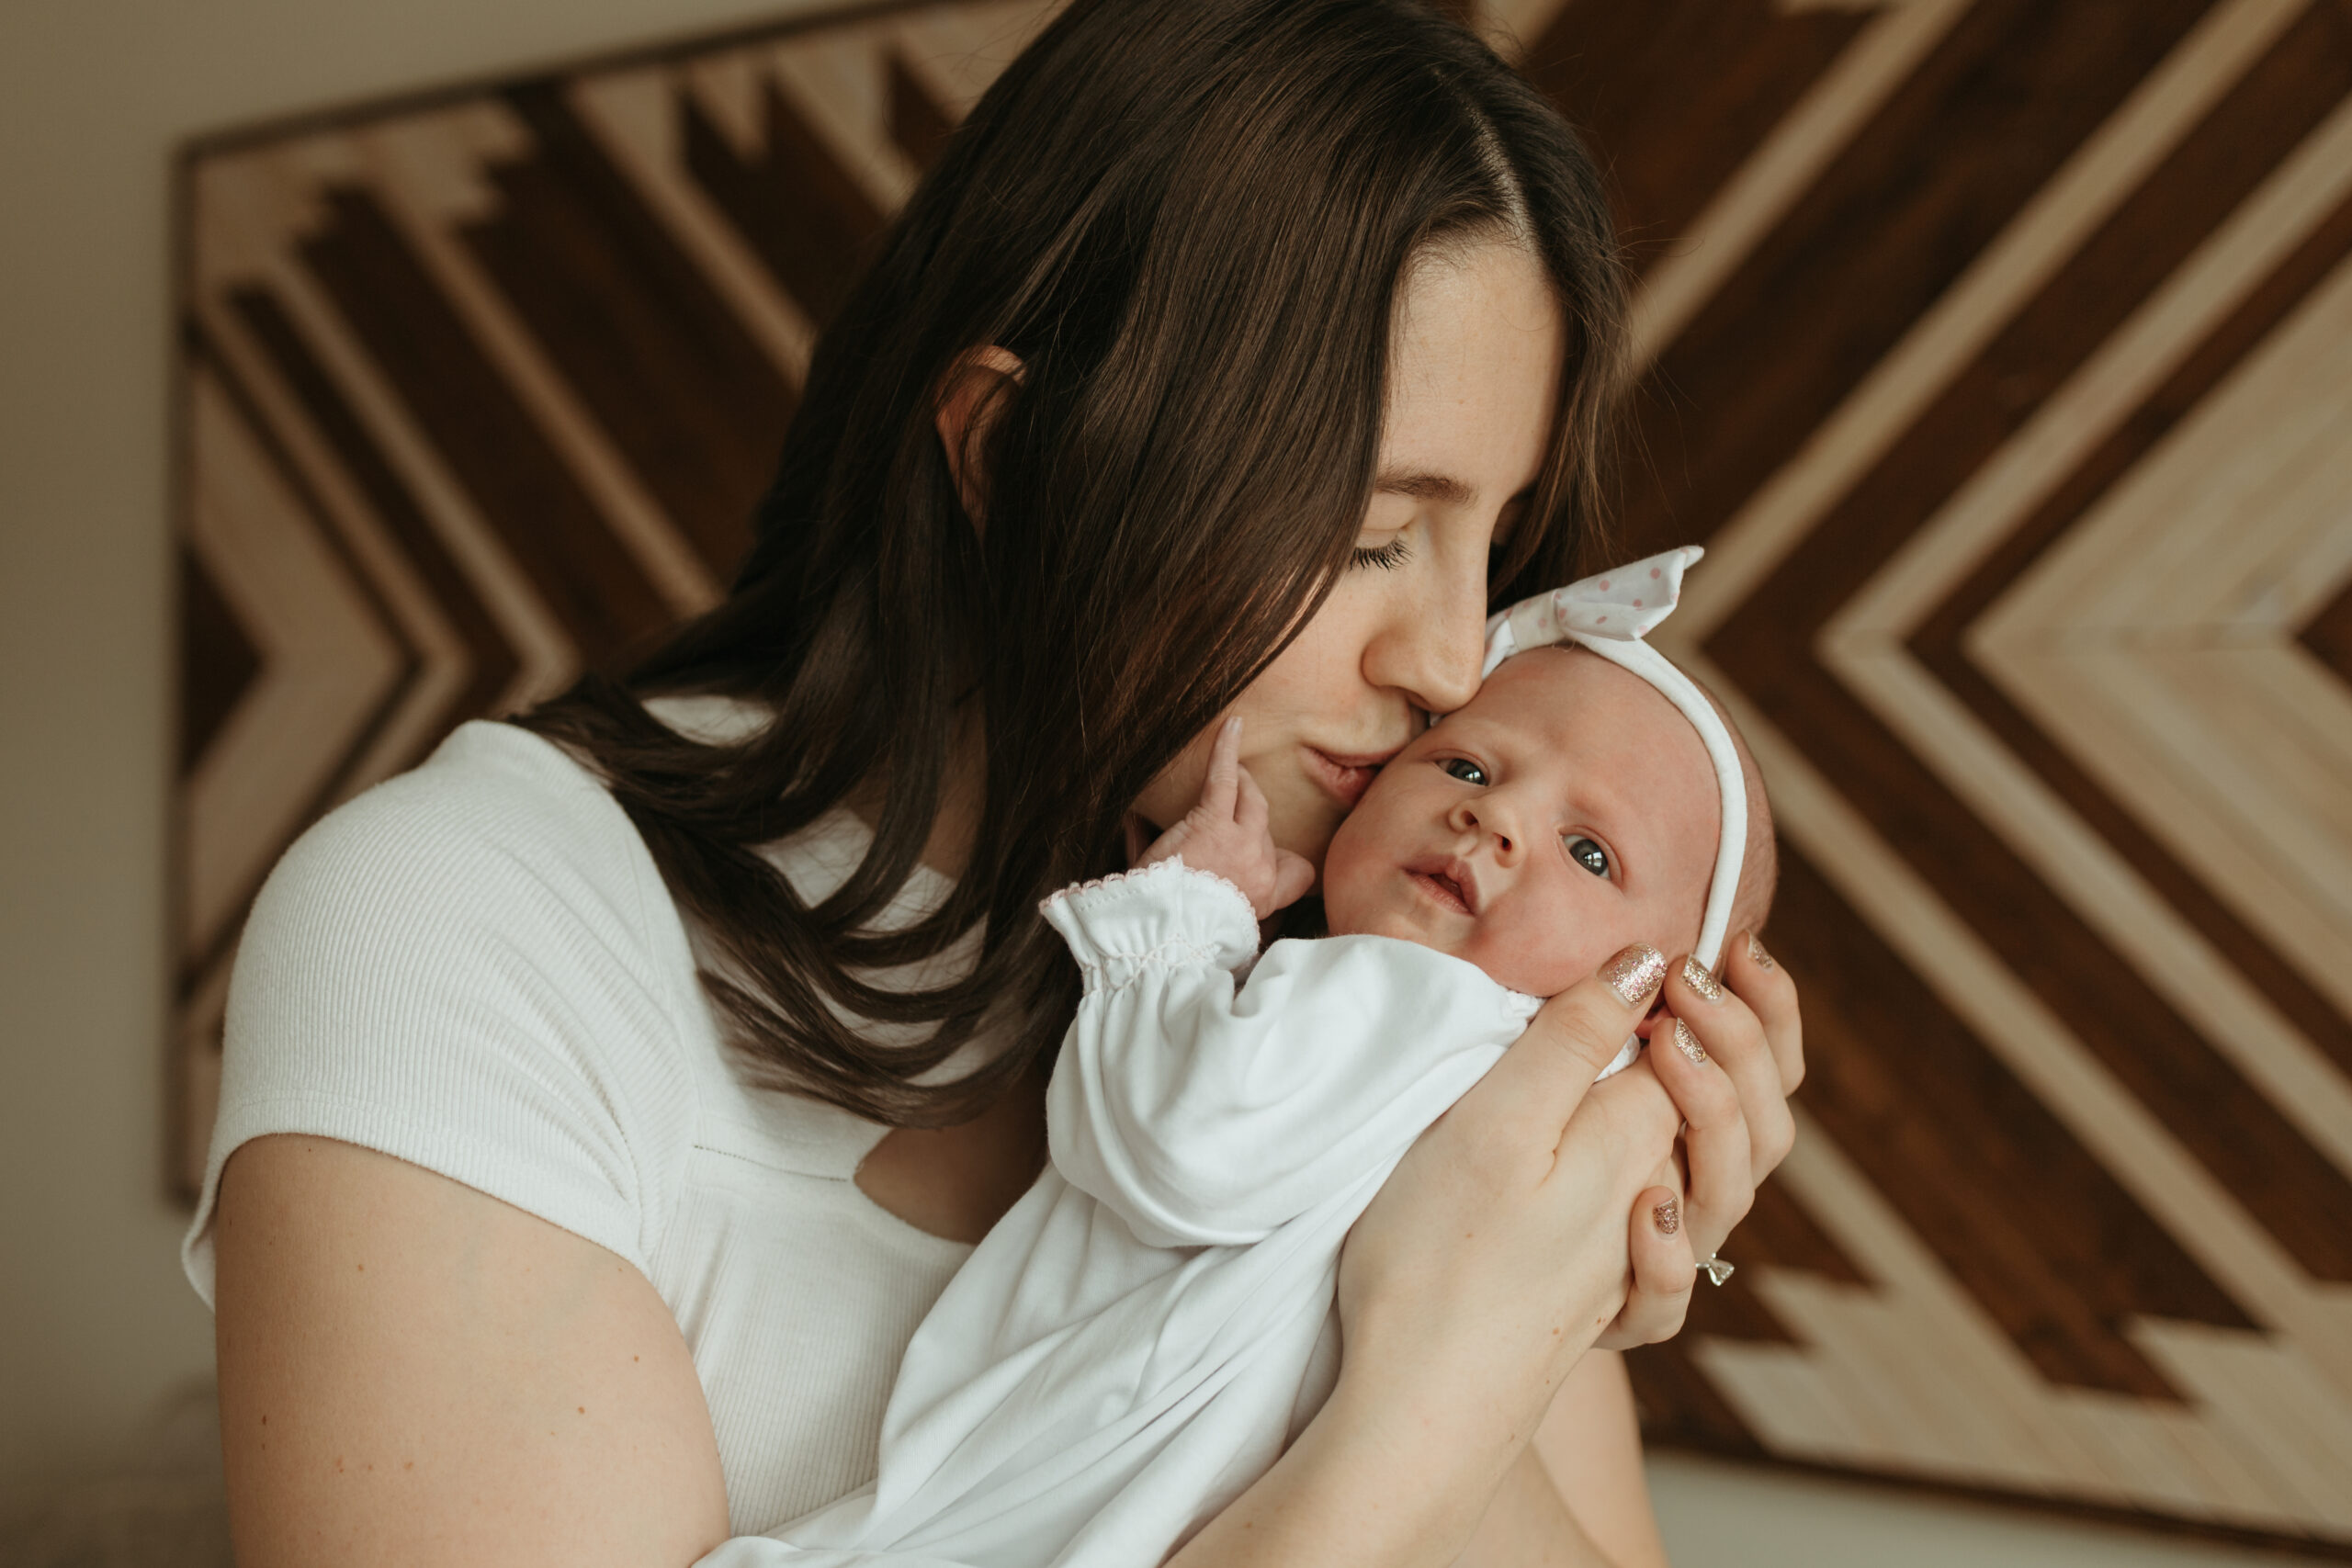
476 968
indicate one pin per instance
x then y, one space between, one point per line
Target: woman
607 1100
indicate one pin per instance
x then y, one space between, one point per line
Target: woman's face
1472 384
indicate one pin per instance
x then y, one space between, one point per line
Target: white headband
1609 614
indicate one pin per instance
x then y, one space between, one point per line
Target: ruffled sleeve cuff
1162 916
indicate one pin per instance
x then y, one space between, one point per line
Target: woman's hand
1730 1053
1481 1272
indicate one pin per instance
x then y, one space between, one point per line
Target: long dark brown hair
1190 220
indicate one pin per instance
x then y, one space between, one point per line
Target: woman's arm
1491 1261
412 1373
1589 1454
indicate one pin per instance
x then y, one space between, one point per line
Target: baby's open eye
1466 770
1587 854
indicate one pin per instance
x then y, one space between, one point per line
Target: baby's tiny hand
1226 834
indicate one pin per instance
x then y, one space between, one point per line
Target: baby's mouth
1446 882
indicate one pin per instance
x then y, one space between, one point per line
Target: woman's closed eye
1586 853
1388 557
1466 770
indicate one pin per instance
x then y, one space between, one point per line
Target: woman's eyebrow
1423 485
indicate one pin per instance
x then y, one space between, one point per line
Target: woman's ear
971 395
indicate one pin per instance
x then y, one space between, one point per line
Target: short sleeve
473 968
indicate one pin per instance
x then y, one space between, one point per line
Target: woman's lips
1346 778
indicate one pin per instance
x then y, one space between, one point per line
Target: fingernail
1668 1216
1757 955
1634 974
1688 1042
1695 976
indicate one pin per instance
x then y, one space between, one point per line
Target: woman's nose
1432 646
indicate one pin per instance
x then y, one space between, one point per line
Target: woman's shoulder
490 793
474 966
499 872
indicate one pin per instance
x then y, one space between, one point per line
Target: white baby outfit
1136 1340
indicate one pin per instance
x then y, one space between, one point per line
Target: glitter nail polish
1634 974
1695 976
1668 1216
1688 1042
1757 954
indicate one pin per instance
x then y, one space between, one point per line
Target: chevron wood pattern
2000 351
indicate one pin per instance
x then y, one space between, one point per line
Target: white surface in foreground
1715 1513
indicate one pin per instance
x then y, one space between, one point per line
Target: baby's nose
1489 825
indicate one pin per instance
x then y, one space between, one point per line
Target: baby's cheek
1552 946
1528 955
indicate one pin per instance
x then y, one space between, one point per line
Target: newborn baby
1141 1336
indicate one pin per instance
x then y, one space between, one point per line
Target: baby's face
1567 811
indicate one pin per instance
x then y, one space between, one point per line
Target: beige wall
95 1321
97 1327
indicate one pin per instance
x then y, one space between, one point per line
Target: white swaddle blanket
1136 1340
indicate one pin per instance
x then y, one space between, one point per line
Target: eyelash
1388 557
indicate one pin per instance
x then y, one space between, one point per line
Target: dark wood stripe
2041 1234
1678 1403
2329 634
1988 116
694 407
217 659
482 433
1633 78
2249 1147
1938 646
491 662
918 124
801 211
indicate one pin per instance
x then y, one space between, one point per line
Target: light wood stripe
1829 1400
2160 682
1852 90
2015 267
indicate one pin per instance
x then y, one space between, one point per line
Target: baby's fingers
1249 808
1294 874
1218 791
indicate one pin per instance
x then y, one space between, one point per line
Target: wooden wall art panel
2000 351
